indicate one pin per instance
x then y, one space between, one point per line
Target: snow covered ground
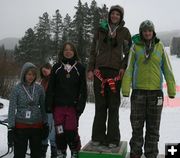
169 132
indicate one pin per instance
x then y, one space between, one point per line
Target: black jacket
64 91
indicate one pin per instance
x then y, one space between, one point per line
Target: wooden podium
90 151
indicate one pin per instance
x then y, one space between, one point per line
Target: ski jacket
149 75
67 89
110 52
21 105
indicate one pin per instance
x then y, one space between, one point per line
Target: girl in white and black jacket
66 98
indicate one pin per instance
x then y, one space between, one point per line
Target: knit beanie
146 25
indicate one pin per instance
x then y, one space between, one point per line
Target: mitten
45 131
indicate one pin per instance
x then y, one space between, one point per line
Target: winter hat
117 8
146 25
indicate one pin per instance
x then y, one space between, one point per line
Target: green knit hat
146 25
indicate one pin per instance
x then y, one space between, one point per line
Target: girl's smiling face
30 76
68 52
115 17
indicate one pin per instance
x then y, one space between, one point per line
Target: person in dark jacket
108 61
27 116
45 71
66 98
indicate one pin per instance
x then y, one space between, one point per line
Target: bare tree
8 72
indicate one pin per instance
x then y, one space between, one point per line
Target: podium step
90 151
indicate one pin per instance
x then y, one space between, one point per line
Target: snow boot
95 143
43 151
53 152
134 156
61 154
74 154
112 145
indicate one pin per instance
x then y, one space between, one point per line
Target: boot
61 154
135 156
74 154
53 152
43 150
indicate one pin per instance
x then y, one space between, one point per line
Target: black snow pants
25 137
106 120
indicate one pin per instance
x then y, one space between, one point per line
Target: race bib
28 114
160 101
59 129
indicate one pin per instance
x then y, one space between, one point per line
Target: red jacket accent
36 125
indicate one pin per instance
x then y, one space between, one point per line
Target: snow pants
66 126
25 136
106 110
146 108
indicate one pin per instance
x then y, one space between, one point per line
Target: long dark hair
61 54
47 66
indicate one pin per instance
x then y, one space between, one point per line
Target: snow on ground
169 132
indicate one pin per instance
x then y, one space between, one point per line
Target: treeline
175 46
8 72
43 42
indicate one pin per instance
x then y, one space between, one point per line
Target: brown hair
117 8
61 55
33 70
46 66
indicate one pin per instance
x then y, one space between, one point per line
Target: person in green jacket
148 62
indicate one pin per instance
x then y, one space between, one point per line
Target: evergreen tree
37 45
95 17
43 38
26 50
57 28
103 12
67 29
86 32
79 26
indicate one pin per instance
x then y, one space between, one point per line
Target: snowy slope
170 126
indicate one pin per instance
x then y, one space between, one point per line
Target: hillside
167 36
9 43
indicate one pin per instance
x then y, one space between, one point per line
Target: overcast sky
16 16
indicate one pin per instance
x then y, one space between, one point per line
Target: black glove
48 109
78 113
45 131
10 137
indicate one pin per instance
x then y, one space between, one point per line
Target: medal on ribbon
68 68
31 102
